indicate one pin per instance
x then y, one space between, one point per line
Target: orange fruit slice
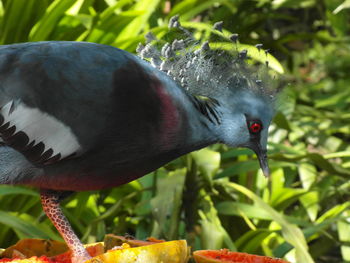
35 259
30 247
44 251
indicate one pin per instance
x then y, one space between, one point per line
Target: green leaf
16 190
28 228
292 3
321 162
341 7
252 240
310 202
239 209
146 8
167 202
208 162
281 121
344 237
308 174
213 235
190 8
43 29
291 233
14 29
334 212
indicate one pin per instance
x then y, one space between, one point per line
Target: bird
80 116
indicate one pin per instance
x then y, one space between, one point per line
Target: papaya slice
226 256
165 252
93 249
34 259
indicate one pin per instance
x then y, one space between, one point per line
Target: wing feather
39 136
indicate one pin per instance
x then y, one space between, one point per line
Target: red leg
50 201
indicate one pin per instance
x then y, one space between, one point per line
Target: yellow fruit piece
111 241
165 252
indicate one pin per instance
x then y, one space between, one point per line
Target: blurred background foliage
217 197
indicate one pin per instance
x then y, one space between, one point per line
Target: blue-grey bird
78 116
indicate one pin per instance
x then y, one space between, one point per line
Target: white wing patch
41 127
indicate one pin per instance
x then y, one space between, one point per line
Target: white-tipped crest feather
206 71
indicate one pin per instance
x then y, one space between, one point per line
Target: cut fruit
112 241
94 250
165 252
27 248
119 250
35 259
226 256
47 251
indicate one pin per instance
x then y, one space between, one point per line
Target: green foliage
217 197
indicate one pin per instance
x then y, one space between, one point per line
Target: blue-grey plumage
111 103
80 116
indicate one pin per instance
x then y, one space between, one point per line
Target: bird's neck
197 120
204 120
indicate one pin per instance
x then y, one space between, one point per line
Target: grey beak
262 156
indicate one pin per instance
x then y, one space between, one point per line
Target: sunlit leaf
28 228
45 26
344 236
167 202
310 201
344 5
291 233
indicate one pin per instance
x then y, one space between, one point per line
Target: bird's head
245 120
241 96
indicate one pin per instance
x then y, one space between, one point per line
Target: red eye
255 127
